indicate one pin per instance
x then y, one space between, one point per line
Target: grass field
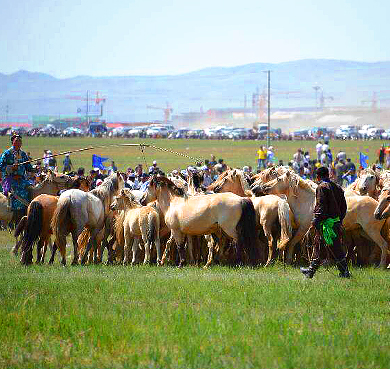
235 153
164 317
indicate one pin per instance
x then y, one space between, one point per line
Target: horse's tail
285 223
61 218
21 226
82 240
153 227
246 231
32 229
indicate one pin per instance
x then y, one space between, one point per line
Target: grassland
150 317
235 153
164 317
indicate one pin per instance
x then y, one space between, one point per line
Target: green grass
164 317
150 317
235 153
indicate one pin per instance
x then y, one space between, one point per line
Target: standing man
329 212
14 176
262 157
67 164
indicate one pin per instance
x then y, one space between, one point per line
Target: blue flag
363 160
97 162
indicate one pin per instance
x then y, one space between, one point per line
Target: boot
343 268
310 271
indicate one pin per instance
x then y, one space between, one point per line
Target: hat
154 162
49 152
245 169
66 154
96 169
175 172
271 148
99 182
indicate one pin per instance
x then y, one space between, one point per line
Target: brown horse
36 225
204 214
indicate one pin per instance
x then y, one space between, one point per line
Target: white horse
77 209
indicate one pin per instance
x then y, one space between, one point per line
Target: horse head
382 210
368 181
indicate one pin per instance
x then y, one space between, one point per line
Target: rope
196 160
141 146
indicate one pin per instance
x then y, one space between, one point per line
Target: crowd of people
341 168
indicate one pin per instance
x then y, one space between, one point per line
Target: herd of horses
237 220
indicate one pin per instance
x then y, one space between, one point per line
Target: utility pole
269 107
316 89
87 110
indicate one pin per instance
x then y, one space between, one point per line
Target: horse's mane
127 200
218 182
160 181
107 188
296 181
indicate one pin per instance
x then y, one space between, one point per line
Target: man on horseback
329 212
14 176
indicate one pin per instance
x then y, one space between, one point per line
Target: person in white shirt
319 150
342 156
325 146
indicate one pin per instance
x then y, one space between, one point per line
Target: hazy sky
66 38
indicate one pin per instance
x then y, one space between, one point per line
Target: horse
51 185
269 209
204 214
77 209
36 224
137 222
367 183
301 197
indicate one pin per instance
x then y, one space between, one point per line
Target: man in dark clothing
329 212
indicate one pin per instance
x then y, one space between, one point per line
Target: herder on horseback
14 176
329 212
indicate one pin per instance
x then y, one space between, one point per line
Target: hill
344 83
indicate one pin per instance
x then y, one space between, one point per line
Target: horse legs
53 252
40 243
15 249
147 252
62 247
190 243
75 236
167 248
378 239
91 242
270 240
210 245
158 248
111 252
135 249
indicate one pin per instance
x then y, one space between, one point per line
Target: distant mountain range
342 83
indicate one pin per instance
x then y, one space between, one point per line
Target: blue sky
148 37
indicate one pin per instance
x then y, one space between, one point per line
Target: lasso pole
80 150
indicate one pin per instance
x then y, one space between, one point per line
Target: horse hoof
15 252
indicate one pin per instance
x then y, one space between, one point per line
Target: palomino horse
77 209
366 184
204 214
301 197
269 209
36 224
137 222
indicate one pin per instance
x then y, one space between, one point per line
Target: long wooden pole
84 149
